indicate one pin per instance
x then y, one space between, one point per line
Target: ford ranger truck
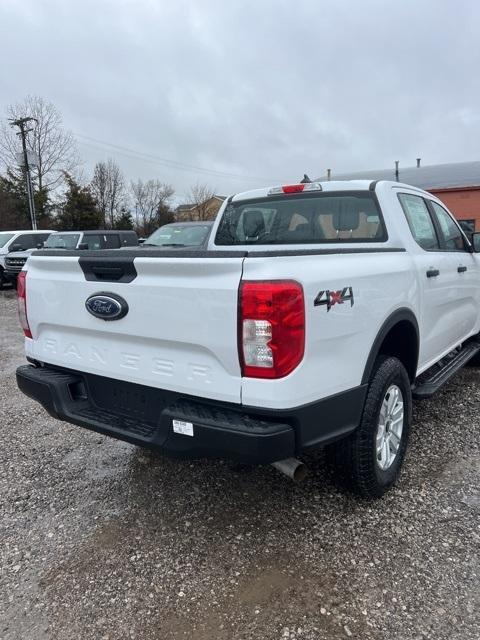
316 313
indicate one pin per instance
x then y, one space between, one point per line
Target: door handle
432 273
461 269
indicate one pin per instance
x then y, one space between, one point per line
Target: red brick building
456 184
463 202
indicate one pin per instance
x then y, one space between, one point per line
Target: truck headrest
345 220
253 223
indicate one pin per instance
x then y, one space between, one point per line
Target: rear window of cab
299 219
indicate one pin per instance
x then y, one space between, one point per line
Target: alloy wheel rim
390 427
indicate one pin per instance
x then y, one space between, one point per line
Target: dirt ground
102 540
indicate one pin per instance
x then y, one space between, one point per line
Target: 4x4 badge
331 298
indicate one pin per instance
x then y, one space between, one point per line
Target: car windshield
62 241
291 219
4 238
176 234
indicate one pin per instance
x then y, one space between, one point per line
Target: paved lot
102 540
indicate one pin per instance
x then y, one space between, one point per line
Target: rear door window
94 241
112 241
420 221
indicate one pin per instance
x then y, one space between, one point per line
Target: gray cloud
268 89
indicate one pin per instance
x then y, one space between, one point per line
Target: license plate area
128 399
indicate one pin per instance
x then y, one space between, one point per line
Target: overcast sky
263 89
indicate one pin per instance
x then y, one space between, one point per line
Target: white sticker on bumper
185 428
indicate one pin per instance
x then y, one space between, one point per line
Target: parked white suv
18 241
96 239
315 314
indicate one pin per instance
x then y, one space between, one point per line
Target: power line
173 164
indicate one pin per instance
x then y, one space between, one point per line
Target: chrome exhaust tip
293 468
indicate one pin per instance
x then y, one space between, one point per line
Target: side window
112 241
40 238
94 241
453 237
419 221
27 240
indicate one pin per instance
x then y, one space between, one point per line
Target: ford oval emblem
106 306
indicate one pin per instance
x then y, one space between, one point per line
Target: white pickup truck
314 315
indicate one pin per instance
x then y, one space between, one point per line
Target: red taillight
293 188
22 303
271 328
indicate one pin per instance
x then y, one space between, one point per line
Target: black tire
355 458
475 361
3 280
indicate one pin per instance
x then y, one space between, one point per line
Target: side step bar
434 378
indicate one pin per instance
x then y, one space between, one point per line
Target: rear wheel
370 459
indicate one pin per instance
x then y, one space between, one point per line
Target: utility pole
21 124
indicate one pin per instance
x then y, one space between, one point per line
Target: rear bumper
145 416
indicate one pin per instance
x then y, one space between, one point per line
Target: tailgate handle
108 273
108 269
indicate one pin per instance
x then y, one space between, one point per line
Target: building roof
435 176
191 207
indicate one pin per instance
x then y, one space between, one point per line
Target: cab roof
324 187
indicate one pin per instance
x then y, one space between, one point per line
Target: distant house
206 210
456 184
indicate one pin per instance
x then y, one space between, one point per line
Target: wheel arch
398 336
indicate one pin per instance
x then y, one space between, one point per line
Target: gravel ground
103 540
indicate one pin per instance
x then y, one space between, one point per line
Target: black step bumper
145 416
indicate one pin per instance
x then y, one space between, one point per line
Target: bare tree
149 197
108 188
203 207
54 147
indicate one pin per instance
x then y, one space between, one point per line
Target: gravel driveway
100 539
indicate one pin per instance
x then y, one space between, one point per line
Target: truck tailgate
180 332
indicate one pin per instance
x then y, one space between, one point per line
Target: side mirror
16 247
476 242
40 245
83 246
141 240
